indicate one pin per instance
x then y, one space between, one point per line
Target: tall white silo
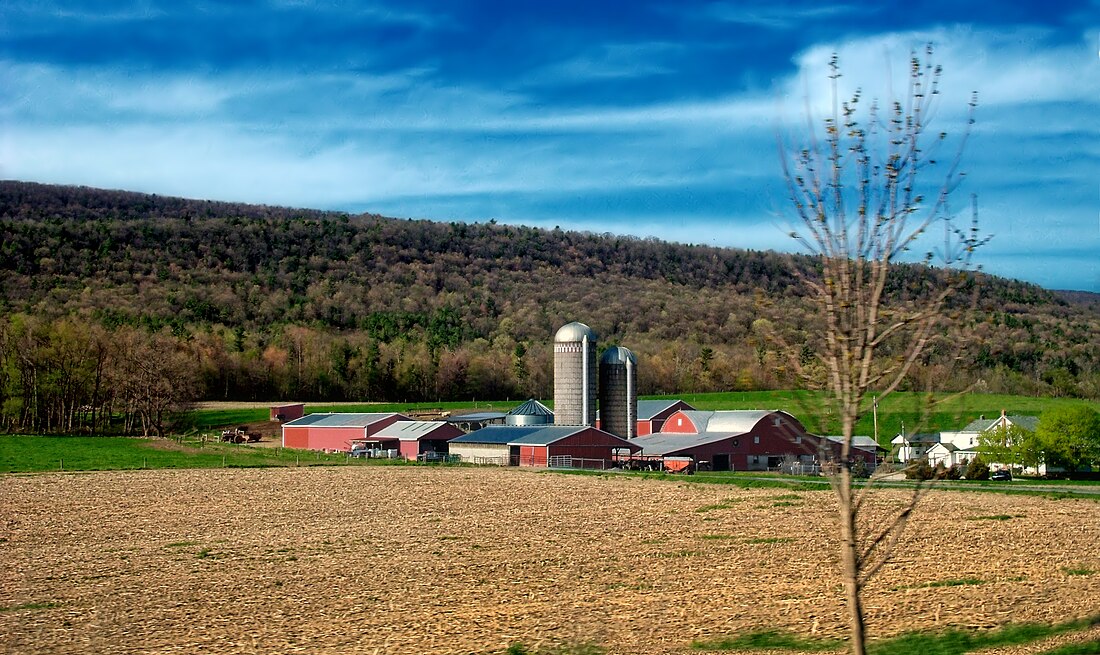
575 375
619 392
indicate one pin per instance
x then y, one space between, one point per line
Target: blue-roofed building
476 420
564 446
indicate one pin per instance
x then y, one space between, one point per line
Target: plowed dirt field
458 560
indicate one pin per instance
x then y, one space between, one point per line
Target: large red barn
738 440
335 432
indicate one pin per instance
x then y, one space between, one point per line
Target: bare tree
154 377
865 188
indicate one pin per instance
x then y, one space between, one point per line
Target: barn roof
497 434
548 434
664 443
411 430
477 417
340 420
727 421
647 409
524 435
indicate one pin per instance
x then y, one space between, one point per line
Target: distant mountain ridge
354 306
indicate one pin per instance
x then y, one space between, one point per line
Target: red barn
288 412
652 414
415 438
736 440
565 446
335 431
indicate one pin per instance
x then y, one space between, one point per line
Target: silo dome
575 375
618 355
531 412
574 333
619 392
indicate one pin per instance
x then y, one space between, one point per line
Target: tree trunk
849 561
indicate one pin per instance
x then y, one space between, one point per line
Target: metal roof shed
335 431
488 445
540 445
417 438
568 446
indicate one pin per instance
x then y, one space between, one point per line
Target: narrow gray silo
575 375
619 392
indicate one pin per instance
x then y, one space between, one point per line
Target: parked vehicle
1003 475
240 435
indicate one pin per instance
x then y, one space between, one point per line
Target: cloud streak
637 127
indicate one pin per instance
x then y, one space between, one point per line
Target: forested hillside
266 302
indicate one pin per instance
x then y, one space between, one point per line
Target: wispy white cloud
118 12
610 61
775 16
413 142
1005 68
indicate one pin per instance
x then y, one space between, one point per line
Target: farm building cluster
597 422
960 447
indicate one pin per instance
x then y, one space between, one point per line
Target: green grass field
25 454
208 419
946 642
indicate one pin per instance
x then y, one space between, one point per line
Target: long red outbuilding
335 432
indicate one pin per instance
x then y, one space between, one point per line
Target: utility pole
874 405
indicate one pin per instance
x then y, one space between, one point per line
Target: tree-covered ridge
278 302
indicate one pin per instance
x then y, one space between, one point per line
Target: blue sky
645 118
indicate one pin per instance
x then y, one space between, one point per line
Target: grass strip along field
26 454
944 642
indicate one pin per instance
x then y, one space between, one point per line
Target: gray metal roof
1028 423
858 441
664 443
410 430
548 435
500 434
573 332
647 409
340 420
917 438
524 435
477 417
531 408
730 421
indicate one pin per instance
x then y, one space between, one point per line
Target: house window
736 442
798 439
756 439
679 422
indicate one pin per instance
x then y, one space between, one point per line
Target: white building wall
479 453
